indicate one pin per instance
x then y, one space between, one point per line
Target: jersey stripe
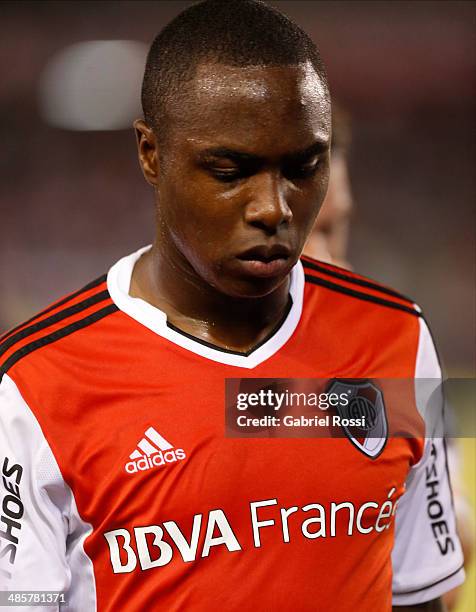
312 265
53 328
428 586
315 280
59 316
92 285
57 335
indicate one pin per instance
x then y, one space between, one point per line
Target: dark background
72 202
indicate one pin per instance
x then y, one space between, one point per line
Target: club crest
365 403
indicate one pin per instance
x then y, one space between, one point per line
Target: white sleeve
427 558
41 533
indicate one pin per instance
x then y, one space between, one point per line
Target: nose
267 208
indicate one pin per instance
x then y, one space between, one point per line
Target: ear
147 148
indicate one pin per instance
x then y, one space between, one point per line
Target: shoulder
369 326
66 319
356 290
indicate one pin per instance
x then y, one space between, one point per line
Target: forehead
254 105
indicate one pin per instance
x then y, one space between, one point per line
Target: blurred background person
329 242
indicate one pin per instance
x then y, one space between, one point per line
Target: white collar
118 283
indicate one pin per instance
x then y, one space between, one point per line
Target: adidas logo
153 451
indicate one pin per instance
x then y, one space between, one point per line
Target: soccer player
119 486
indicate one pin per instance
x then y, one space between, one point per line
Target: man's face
242 174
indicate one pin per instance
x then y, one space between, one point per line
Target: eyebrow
232 154
241 156
320 146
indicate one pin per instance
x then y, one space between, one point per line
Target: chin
251 288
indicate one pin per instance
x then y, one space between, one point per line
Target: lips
265 253
265 261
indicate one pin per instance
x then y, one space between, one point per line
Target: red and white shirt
120 488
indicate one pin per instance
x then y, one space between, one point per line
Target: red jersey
120 487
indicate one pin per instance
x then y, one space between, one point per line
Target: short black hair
231 32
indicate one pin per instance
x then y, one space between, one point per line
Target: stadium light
93 85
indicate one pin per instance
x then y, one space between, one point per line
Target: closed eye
301 170
226 175
232 172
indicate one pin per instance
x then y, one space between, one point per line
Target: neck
193 306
